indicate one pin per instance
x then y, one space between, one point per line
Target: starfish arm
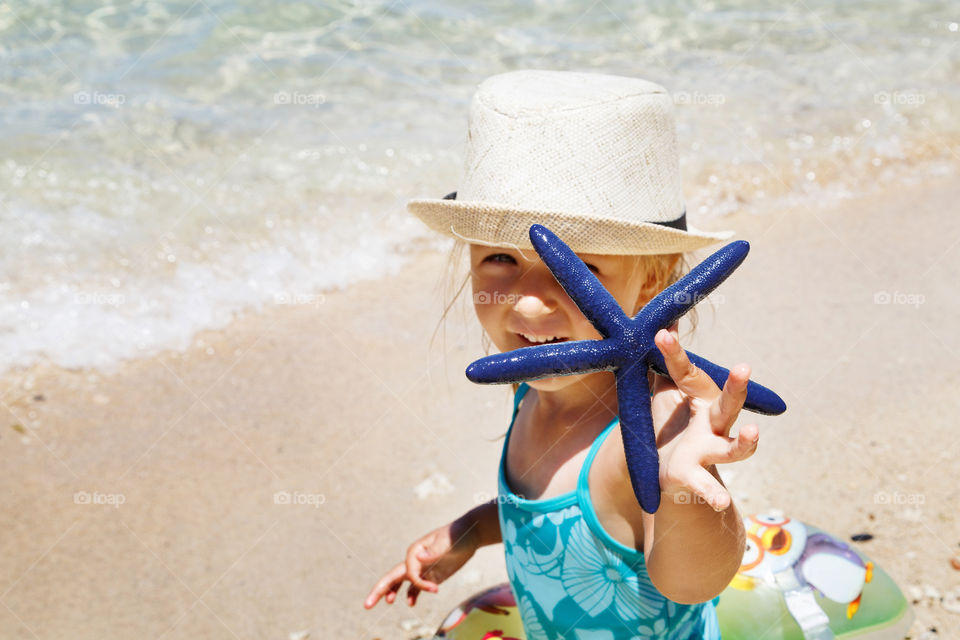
578 281
760 399
544 361
639 440
674 301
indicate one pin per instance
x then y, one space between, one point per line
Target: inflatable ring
796 582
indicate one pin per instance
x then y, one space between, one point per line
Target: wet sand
258 484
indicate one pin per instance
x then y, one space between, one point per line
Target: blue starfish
627 348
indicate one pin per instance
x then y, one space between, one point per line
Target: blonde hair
659 271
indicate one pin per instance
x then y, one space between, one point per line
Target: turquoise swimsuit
572 580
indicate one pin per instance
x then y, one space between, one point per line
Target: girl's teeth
538 340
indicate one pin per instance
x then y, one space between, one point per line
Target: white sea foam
79 318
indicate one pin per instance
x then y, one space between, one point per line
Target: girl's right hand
430 560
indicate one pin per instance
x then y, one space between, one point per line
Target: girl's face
520 303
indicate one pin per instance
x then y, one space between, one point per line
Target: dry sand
345 406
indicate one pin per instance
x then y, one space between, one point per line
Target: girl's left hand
692 418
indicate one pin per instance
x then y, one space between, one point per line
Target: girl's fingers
689 378
415 570
412 593
661 384
724 410
425 556
388 585
385 586
429 560
704 485
734 449
666 396
746 444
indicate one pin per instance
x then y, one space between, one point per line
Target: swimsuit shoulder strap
594 448
518 396
590 512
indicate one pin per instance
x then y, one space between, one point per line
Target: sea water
166 165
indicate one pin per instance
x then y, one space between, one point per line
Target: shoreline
63 355
344 408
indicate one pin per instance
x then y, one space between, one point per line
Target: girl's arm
485 520
692 551
438 555
694 543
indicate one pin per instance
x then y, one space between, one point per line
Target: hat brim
500 225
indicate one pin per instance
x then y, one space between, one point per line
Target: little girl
593 158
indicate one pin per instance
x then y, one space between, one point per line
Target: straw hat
593 157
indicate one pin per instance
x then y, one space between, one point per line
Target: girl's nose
531 307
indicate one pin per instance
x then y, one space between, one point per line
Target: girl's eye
500 258
506 258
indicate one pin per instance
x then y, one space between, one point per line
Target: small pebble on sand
436 484
915 593
472 577
925 594
910 515
951 601
415 628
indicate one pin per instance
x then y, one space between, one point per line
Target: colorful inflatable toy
795 583
627 348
